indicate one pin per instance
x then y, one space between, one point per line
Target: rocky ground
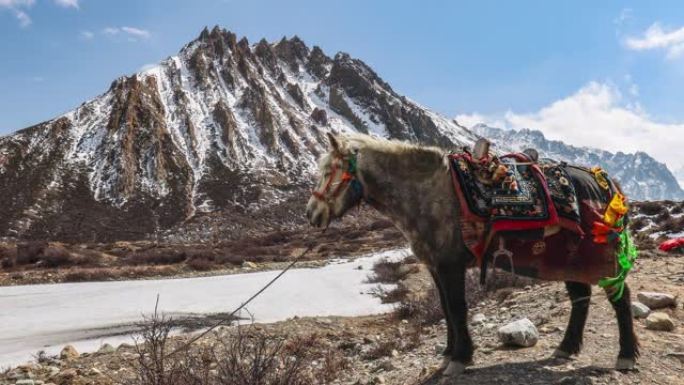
390 350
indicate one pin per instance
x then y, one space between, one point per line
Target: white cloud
20 8
598 116
137 32
67 3
23 17
133 33
656 37
111 31
87 35
16 3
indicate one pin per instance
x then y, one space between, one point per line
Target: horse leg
452 279
580 294
442 300
629 345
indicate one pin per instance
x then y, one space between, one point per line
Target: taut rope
229 318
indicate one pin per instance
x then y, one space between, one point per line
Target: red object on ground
672 244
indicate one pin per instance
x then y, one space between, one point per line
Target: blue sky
619 65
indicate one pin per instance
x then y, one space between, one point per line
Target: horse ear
334 144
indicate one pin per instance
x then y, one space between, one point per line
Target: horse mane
390 146
404 154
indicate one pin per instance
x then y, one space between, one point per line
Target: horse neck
405 184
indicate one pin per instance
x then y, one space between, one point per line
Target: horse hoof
560 354
625 364
454 369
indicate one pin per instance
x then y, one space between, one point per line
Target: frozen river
46 317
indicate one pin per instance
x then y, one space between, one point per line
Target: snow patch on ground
46 317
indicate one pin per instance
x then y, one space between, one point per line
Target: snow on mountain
223 126
641 176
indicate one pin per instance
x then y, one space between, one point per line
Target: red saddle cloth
538 230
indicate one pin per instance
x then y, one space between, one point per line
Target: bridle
330 191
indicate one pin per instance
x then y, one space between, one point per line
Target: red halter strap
346 178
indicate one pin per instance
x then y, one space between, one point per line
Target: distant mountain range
641 176
222 138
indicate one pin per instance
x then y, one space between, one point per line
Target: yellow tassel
616 209
600 177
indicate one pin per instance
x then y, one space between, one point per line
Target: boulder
106 349
659 321
656 300
639 310
519 333
68 353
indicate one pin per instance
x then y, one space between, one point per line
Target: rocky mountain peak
224 128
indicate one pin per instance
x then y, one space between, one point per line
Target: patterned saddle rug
528 217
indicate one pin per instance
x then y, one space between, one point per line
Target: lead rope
229 318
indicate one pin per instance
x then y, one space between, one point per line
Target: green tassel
626 255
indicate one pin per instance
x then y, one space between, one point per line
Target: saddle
528 211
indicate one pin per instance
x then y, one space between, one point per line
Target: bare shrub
100 274
201 264
422 310
243 356
8 256
233 259
55 256
156 257
153 364
386 271
396 294
274 238
29 252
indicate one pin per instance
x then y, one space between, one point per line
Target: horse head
338 188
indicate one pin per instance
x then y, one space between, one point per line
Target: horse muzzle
317 212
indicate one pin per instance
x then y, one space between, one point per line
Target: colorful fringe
626 254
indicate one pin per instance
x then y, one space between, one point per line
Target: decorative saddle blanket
515 193
528 216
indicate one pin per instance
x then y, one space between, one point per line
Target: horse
411 185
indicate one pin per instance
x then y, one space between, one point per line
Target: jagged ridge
224 126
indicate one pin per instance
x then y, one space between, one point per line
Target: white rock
519 333
656 300
659 321
249 265
479 318
639 310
